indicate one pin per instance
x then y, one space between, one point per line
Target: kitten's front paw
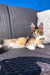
41 46
31 47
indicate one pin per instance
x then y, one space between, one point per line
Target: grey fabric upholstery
15 21
43 54
21 19
22 52
4 23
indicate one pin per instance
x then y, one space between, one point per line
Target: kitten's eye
38 31
33 30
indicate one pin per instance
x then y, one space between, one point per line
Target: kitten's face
37 31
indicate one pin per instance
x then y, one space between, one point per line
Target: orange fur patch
40 41
31 41
20 41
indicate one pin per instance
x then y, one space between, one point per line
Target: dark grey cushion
21 19
12 53
5 31
42 55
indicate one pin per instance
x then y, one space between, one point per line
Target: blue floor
32 4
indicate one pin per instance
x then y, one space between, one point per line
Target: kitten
36 39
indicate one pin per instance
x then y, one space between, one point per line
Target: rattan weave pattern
15 21
21 19
4 23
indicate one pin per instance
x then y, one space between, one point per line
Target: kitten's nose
35 33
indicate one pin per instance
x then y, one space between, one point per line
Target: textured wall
33 4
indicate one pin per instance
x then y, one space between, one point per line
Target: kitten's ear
32 26
41 25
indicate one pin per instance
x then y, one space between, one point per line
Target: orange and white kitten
36 39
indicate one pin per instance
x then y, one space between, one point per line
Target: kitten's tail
3 48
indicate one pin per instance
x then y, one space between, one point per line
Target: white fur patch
0 46
41 46
11 44
31 47
37 39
